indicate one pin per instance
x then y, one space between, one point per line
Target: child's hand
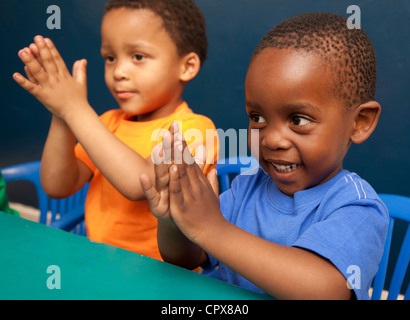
49 80
158 195
194 201
163 157
168 152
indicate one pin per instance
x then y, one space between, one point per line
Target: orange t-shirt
110 217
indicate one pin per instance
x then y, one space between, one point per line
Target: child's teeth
285 168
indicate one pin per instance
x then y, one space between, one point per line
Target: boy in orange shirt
151 50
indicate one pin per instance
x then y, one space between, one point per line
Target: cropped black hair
182 19
349 52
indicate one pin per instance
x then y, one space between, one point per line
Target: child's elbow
133 194
56 192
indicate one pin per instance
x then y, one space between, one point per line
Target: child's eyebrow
303 106
289 108
136 44
251 104
128 45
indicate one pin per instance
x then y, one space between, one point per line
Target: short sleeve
352 238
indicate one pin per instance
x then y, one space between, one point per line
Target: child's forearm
283 272
59 164
119 164
177 249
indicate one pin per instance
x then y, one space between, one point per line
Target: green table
39 262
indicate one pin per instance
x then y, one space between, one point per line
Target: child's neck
133 118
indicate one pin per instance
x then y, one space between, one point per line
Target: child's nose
275 139
120 71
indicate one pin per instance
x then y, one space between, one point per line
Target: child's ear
366 118
191 64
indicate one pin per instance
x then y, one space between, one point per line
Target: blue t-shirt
343 220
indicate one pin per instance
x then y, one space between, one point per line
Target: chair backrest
50 209
399 209
233 166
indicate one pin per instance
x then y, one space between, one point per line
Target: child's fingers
158 201
201 156
175 141
161 177
182 153
193 178
46 57
177 151
157 154
179 184
35 69
176 197
174 128
187 170
29 75
75 68
151 194
160 168
80 71
213 180
35 52
184 180
25 84
167 147
58 60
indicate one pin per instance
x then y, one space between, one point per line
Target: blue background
234 29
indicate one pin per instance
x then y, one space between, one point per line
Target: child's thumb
213 180
80 71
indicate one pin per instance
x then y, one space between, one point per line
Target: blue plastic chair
66 214
233 166
399 209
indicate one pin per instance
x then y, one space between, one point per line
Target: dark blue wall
234 28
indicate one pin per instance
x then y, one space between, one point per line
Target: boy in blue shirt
300 227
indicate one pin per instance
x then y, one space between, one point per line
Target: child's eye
257 118
138 57
109 58
300 121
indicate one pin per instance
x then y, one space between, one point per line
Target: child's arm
170 238
66 97
59 163
283 272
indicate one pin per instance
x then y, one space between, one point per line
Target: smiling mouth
282 168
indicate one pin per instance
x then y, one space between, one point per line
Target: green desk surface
91 270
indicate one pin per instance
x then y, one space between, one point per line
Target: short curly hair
182 19
348 52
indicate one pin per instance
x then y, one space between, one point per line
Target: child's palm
49 80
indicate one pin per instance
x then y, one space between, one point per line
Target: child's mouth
124 95
282 168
